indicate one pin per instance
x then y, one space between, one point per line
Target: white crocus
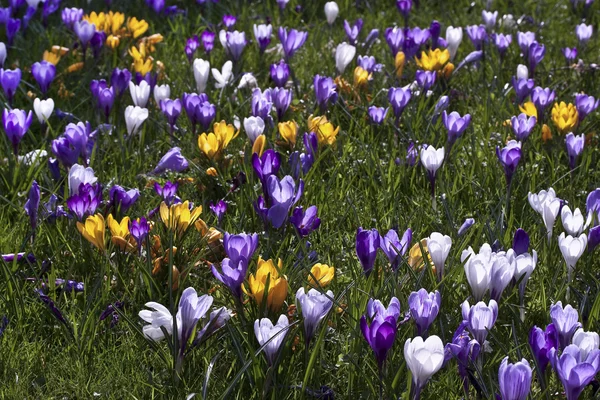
478 269
344 53
423 358
79 174
34 157
432 159
134 118
2 53
43 109
248 81
160 318
438 246
331 11
201 74
522 72
502 273
536 200
161 92
224 76
573 222
254 127
550 211
314 306
586 341
139 93
453 38
572 249
264 330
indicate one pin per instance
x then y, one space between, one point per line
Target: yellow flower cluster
321 273
275 290
213 144
326 132
288 131
178 217
565 117
433 60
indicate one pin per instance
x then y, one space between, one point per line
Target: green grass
355 183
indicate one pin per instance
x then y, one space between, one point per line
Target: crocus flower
70 16
502 42
438 246
575 146
537 51
572 221
585 105
381 332
477 35
134 118
432 160
394 38
291 41
514 379
229 21
2 54
411 154
93 230
283 194
424 307
105 99
586 341
565 116
52 307
32 205
352 31
525 40
377 114
547 205
43 109
522 72
489 18
572 248
43 73
465 350
119 80
139 229
522 126
367 243
233 274
394 247
369 64
84 31
541 342
262 34
219 210
201 74
10 79
139 93
265 331
425 79
314 307
266 165
240 247
570 54
267 283
455 124
13 25
453 38
161 92
282 98
542 98
16 124
424 358
280 73
223 77
199 110
331 11
305 222
325 91
584 33
173 160
481 318
344 53
123 199
171 109
565 320
574 371
465 226
502 273
404 6
191 45
509 157
208 41
86 201
593 238
233 43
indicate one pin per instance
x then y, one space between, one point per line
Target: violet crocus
542 98
585 105
325 92
32 205
229 21
291 41
16 124
305 222
395 39
566 322
122 199
481 318
234 43
43 73
139 229
314 307
219 210
469 222
241 246
425 79
424 308
574 148
522 126
522 87
477 34
489 18
191 45
70 16
352 31
404 7
525 39
86 200
465 350
574 370
282 98
380 329
199 110
369 64
84 31
10 79
266 165
119 80
509 157
502 42
208 41
377 114
261 104
283 195
411 154
171 109
570 54
173 160
52 307
367 244
537 51
168 191
583 33
265 331
455 124
280 73
13 25
232 275
262 34
514 380
394 247
541 342
105 99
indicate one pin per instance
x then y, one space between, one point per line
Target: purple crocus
542 98
477 34
584 33
541 342
305 222
574 370
10 79
173 160
352 31
522 87
411 154
380 333
13 25
119 80
291 41
208 41
570 54
394 247
266 165
282 194
240 246
395 39
261 104
282 98
280 73
199 110
574 148
465 350
229 21
404 6
585 105
425 79
502 42
18 257
97 43
377 114
465 226
522 126
84 31
232 275
525 39
566 322
219 210
105 99
399 98
168 191
16 124
139 229
262 34
191 45
509 157
593 238
32 205
70 16
455 124
325 91
122 199
367 244
86 201
52 307
234 43
171 109
537 51
43 73
369 64
481 318
424 307
514 380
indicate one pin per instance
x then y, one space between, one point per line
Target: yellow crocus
114 21
212 171
51 57
209 145
113 41
224 132
98 19
327 133
259 145
143 66
546 133
399 62
78 66
564 116
93 230
120 235
433 60
288 131
323 274
448 70
136 27
361 77
178 217
314 122
276 289
529 109
415 256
